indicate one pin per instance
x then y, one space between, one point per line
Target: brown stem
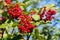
40 10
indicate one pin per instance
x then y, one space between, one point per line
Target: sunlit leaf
36 17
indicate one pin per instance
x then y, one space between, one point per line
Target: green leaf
42 22
36 35
28 3
25 1
11 23
14 24
22 7
1 4
36 17
7 21
4 25
4 14
33 23
37 23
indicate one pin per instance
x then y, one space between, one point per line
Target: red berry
28 30
8 1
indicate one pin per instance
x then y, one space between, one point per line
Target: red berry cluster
47 15
25 26
15 12
8 1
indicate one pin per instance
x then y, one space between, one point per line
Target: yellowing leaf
48 6
1 11
5 35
